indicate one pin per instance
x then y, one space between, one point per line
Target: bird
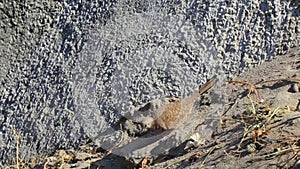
152 127
167 113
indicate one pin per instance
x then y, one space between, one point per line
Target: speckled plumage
166 113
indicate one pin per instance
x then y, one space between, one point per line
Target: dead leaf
144 162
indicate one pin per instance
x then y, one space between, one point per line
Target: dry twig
253 86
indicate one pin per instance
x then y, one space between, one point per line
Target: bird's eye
145 108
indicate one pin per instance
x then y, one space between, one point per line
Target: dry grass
60 159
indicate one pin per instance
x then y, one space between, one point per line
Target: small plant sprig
253 86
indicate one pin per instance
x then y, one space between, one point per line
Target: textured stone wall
69 68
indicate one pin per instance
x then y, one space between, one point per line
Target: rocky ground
259 128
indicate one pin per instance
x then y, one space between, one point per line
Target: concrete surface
69 69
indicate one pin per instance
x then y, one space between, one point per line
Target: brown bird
160 116
167 113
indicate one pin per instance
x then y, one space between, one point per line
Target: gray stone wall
68 68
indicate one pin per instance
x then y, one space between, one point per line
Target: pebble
294 88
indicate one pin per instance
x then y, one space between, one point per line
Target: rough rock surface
70 68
